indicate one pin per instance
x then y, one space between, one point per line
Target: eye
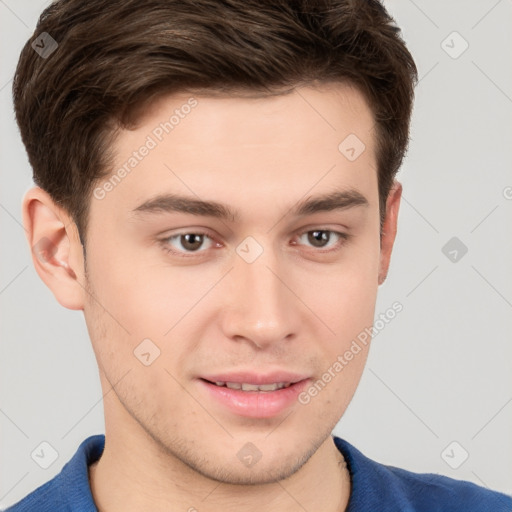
189 244
183 243
322 238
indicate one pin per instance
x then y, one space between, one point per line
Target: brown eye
191 241
318 238
324 238
183 243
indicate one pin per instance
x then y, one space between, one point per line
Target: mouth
244 386
251 399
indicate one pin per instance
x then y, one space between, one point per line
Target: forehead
250 118
247 147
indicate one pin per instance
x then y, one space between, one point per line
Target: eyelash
343 238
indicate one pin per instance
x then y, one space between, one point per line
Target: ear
389 229
57 252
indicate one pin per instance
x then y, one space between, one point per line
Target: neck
134 475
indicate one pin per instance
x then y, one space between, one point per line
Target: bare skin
296 307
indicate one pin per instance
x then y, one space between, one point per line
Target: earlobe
389 229
56 249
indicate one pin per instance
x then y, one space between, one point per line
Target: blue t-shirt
375 487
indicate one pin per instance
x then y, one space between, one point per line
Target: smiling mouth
242 386
264 396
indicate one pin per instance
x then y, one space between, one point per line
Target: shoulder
433 492
381 487
43 499
68 490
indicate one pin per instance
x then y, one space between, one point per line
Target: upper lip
256 378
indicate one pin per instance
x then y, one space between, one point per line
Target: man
216 192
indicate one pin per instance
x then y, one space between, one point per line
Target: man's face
272 295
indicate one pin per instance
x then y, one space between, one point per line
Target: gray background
439 372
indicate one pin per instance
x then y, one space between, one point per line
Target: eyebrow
168 203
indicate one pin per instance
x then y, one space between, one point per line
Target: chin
237 474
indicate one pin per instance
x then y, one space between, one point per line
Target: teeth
270 387
249 387
254 387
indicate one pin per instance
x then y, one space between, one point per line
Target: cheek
138 294
147 294
344 296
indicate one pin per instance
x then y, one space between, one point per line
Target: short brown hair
114 55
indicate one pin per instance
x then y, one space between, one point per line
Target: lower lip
255 404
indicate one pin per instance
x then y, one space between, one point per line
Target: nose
261 305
